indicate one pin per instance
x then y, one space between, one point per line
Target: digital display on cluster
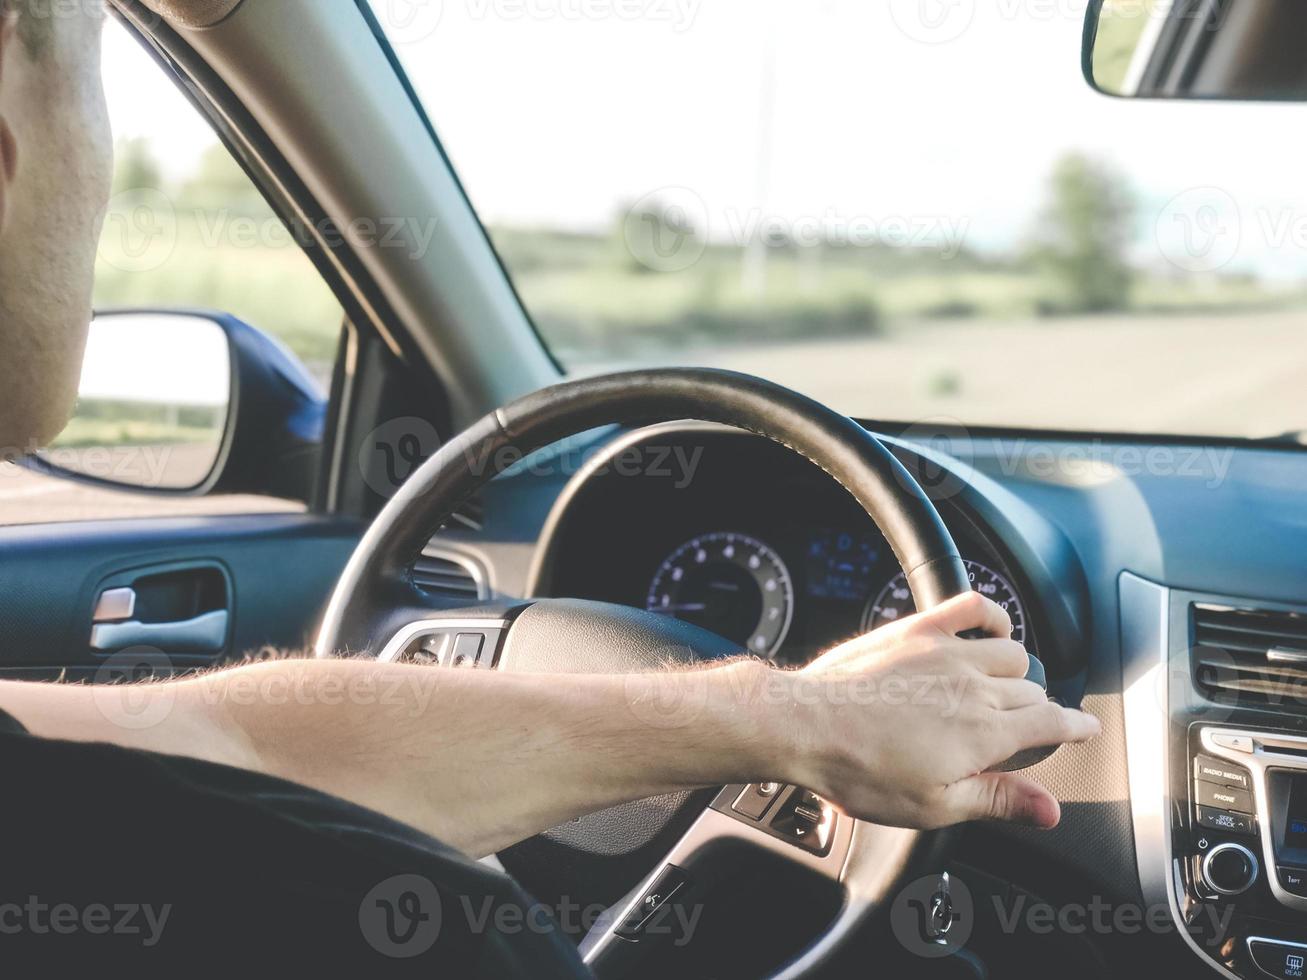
841 565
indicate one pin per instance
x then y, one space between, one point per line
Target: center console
1216 730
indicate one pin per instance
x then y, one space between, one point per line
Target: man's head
55 171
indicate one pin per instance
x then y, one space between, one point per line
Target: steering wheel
377 610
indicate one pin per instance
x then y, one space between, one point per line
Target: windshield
911 210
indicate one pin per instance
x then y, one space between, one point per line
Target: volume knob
1230 869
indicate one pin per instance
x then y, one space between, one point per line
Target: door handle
203 634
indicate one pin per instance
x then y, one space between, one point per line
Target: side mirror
187 403
1242 50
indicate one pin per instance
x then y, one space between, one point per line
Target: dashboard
754 544
1137 570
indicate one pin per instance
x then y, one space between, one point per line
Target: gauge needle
685 607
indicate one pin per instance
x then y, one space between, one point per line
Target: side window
186 229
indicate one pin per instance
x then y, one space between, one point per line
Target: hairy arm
897 727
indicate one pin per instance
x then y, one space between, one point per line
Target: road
1227 374
1243 375
30 498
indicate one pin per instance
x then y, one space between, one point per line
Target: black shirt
113 859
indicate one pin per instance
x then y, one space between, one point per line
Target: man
247 830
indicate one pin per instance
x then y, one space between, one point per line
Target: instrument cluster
755 545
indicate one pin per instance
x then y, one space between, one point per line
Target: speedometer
894 602
731 584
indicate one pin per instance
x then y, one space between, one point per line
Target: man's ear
8 143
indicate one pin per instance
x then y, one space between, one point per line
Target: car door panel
276 574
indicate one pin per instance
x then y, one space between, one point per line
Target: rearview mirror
154 404
1244 50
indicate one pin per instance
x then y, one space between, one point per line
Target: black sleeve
122 859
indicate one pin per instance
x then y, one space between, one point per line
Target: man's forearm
482 760
898 727
477 759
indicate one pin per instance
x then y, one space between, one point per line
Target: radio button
1222 797
1277 959
1239 743
1294 881
1220 772
1235 823
1229 869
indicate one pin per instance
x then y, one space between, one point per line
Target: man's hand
902 723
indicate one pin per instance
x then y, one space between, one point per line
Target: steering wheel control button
1229 869
1235 823
1222 797
1235 743
648 914
447 643
1278 959
755 800
1212 770
806 820
467 649
1293 880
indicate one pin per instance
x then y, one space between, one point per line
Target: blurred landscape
848 321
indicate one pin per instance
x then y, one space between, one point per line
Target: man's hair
35 23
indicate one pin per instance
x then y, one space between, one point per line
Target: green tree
219 183
1084 230
135 168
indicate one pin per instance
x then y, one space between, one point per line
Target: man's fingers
998 658
1047 724
1003 796
971 611
1008 694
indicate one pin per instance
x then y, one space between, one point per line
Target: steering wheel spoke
786 822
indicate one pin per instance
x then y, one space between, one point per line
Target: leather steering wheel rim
376 593
377 577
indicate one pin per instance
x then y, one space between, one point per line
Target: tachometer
894 602
731 584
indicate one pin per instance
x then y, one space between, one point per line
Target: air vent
1252 656
449 574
